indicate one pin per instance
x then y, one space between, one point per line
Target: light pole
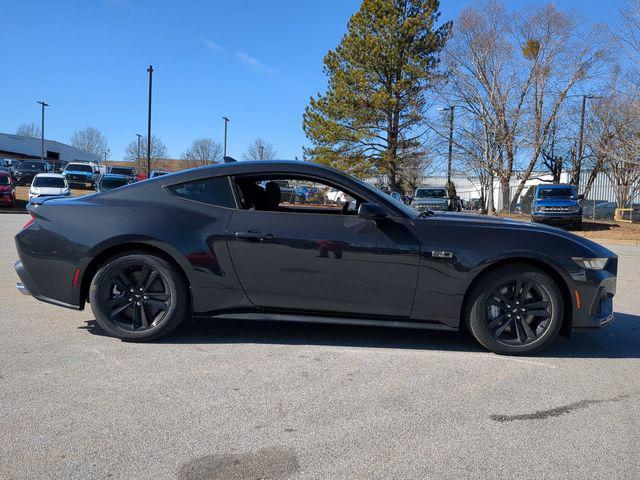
451 110
226 120
106 152
42 130
150 70
138 150
577 169
261 147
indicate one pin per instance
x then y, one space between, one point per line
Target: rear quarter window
213 191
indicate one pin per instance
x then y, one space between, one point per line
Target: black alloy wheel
518 312
515 309
138 297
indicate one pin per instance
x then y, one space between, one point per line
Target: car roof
50 175
555 185
113 175
432 186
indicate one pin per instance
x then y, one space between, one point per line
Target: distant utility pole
226 120
138 150
576 170
451 110
150 70
42 130
261 147
105 157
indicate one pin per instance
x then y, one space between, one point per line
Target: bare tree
90 140
618 145
513 73
203 151
260 150
28 130
158 152
560 58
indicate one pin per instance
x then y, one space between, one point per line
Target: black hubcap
518 312
136 297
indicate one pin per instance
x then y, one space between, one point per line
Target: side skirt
280 317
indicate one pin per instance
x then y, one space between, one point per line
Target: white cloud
253 63
211 45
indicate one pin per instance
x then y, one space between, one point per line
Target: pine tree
370 120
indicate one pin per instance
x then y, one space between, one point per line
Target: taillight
29 222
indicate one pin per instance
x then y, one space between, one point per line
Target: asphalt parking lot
229 399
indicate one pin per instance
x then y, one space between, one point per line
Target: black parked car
213 241
24 173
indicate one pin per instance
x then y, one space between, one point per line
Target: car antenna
229 159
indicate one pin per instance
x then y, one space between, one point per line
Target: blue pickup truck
81 174
558 205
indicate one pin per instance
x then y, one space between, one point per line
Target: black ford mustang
222 241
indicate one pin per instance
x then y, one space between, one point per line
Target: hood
526 228
555 202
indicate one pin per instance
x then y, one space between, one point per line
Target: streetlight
138 150
261 147
226 120
576 171
451 110
150 70
106 152
42 130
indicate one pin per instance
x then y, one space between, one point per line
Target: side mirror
371 211
581 197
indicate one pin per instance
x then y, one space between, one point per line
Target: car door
325 262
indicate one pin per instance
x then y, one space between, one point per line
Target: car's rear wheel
516 309
138 297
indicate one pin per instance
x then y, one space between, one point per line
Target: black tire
578 225
499 318
136 296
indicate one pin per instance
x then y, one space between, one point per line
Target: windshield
51 182
111 183
4 180
431 193
78 168
32 166
556 192
121 171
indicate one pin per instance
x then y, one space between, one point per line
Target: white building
28 148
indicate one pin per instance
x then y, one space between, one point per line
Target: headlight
591 263
539 209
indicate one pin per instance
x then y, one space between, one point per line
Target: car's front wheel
138 297
515 309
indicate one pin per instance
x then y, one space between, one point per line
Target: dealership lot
229 399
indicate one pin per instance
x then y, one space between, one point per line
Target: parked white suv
48 185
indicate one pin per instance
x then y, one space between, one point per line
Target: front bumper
596 289
556 217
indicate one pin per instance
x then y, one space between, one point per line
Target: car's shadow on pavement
619 340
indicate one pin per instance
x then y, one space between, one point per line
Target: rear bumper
26 286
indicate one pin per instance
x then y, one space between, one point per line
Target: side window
294 194
214 191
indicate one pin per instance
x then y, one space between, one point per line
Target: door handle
254 236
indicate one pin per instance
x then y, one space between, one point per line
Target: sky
257 62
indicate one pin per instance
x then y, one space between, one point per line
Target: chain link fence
600 202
